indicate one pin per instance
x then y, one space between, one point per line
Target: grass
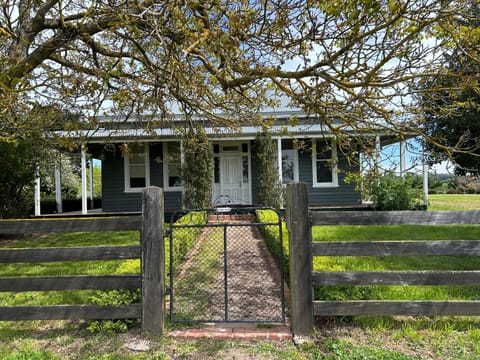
66 268
453 202
203 268
379 233
415 337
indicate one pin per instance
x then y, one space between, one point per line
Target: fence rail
150 251
302 250
69 254
395 217
397 248
41 226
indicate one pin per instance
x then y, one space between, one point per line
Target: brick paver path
253 291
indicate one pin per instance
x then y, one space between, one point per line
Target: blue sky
390 159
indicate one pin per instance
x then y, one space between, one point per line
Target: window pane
287 166
137 169
173 159
137 182
137 158
324 172
324 151
173 150
174 178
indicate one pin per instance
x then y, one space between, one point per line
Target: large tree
451 100
347 61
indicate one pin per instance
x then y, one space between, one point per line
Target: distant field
454 202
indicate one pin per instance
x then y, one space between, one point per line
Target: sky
390 159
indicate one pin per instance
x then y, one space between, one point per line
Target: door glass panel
216 161
245 168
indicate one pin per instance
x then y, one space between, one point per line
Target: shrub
185 237
272 239
269 189
49 205
197 169
391 192
116 298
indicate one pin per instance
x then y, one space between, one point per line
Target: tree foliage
16 178
197 168
24 148
268 187
352 63
452 103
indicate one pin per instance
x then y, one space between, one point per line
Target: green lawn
427 337
454 202
379 233
66 268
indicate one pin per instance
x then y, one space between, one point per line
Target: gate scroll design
221 269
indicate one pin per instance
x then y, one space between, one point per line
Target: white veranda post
58 183
279 158
37 210
92 199
403 153
84 179
425 177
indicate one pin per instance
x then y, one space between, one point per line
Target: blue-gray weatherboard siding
343 194
114 197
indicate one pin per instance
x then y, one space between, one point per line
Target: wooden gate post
153 261
300 242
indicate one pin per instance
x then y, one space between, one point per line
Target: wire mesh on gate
222 270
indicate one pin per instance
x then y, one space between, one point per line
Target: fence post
300 240
153 261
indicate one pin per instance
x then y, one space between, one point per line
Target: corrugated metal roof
116 129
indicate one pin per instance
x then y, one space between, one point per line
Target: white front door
232 180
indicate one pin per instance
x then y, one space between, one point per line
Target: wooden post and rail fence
302 250
299 219
151 280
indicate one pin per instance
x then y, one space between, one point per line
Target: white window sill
176 189
323 186
136 190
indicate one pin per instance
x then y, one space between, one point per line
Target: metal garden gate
221 269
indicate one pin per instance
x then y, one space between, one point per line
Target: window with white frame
324 156
172 166
137 175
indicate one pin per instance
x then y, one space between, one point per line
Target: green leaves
197 169
269 189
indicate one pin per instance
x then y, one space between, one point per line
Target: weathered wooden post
300 242
153 261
